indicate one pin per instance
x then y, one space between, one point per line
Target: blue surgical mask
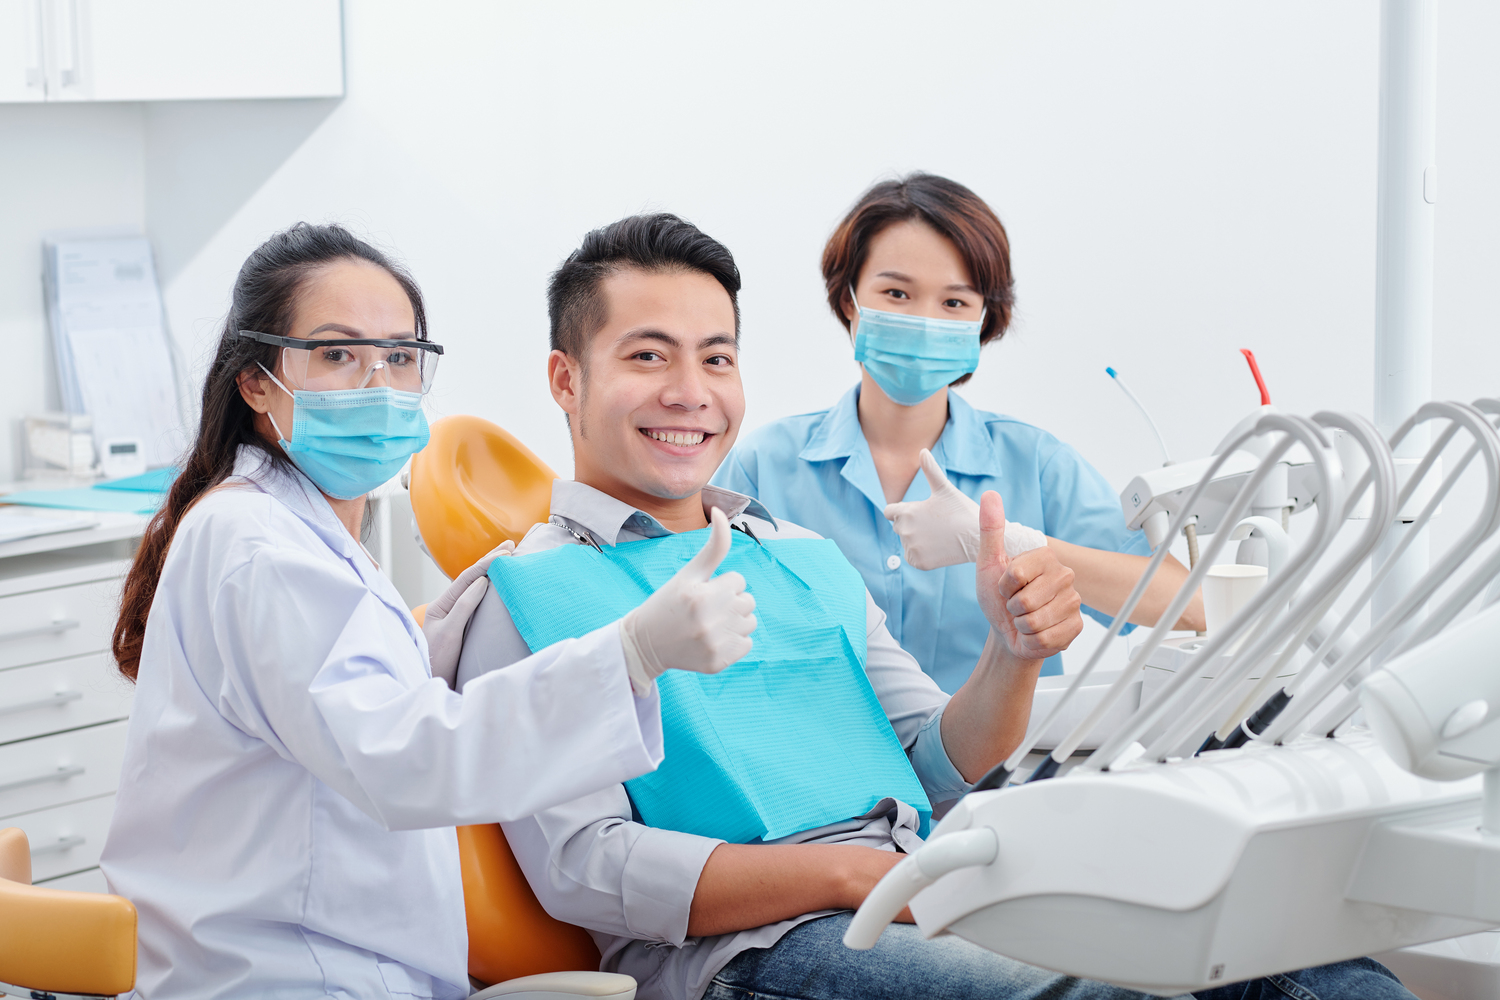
912 357
349 441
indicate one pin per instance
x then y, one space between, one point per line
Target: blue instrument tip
1110 372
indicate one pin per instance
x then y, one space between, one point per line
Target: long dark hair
265 294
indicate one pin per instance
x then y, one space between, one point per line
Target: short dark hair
950 208
652 243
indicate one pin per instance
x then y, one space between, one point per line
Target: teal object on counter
89 498
155 481
791 737
143 494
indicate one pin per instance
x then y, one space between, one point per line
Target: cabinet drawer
50 697
87 881
63 621
66 839
51 770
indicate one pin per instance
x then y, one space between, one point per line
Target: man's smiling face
656 403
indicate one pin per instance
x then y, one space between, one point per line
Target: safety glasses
322 363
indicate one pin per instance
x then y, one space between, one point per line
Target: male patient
792 779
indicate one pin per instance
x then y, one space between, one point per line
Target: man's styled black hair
651 243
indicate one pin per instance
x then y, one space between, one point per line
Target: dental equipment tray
1169 878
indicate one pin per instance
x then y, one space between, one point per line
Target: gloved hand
1028 600
448 616
696 621
943 530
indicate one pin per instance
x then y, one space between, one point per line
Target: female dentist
919 273
295 763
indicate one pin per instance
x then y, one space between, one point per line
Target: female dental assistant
919 273
295 762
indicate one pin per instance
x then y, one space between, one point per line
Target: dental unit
1292 790
1314 841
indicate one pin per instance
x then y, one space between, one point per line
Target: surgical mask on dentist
912 357
349 441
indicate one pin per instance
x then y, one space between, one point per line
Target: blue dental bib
788 739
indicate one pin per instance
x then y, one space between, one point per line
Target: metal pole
1405 199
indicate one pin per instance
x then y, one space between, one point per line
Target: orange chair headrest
473 487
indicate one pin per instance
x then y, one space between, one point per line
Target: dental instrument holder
1247 862
1369 472
1253 620
1176 655
1361 441
1346 667
1486 444
1290 429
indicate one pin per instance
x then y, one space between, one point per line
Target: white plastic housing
1434 707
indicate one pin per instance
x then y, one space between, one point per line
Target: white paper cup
1227 588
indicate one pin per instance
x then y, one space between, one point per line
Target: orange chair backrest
55 941
510 935
474 486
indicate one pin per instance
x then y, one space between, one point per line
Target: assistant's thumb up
937 479
992 531
701 567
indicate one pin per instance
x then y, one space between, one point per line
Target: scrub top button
893 562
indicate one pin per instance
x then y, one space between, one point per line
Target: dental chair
60 944
473 487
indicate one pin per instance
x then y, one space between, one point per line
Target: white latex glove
449 615
696 621
943 530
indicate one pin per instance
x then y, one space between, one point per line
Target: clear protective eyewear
322 363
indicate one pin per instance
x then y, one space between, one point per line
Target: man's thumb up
701 568
992 555
696 621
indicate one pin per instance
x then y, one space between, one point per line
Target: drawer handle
60 773
59 845
56 701
61 625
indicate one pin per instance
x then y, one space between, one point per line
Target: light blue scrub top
815 469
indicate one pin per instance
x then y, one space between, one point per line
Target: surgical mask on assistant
349 441
912 357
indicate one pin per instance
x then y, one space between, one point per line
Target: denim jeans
811 963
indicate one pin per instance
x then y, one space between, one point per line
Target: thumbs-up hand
943 530
696 621
1028 599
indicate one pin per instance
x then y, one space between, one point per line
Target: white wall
61 167
1179 180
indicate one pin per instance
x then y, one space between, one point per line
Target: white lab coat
293 773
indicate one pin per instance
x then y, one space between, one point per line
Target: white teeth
677 437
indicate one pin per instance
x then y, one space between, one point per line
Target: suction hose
936 858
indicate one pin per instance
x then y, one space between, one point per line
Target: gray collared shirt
632 885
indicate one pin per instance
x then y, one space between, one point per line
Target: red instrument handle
1260 383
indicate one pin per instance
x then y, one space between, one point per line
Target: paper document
110 343
17 523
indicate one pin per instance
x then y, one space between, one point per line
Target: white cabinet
170 50
22 73
63 705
